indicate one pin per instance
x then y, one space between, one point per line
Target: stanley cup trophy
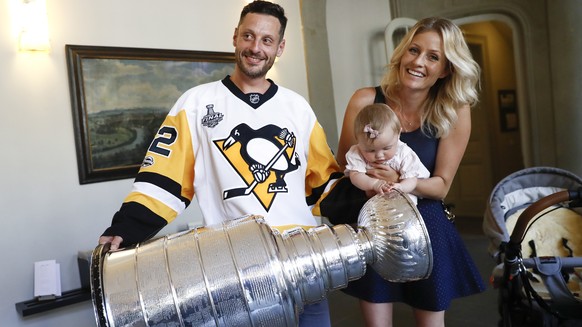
243 273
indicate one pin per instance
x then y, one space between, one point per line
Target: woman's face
424 61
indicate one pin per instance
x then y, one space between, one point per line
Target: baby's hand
395 186
381 187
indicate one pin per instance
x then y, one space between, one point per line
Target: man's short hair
266 8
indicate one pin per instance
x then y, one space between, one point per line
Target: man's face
257 44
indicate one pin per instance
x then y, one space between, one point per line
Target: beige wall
565 44
356 47
45 213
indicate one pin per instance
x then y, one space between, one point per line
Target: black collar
254 100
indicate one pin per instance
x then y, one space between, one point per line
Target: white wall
46 213
355 30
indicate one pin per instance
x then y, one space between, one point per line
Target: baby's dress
405 162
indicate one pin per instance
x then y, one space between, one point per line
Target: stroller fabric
538 290
516 192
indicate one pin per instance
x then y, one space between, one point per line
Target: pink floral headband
372 132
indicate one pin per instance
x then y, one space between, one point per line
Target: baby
377 130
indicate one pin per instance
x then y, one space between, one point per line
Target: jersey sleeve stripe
157 208
154 192
163 183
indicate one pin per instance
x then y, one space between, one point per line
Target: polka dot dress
454 273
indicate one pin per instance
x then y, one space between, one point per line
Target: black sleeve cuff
134 223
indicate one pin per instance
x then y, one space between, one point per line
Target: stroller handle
565 262
530 212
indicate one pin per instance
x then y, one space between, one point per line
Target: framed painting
120 96
508 118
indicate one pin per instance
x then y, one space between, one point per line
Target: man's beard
254 71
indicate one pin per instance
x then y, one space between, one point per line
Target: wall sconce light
34 35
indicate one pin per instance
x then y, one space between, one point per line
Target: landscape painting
120 96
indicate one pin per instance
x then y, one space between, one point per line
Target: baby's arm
367 183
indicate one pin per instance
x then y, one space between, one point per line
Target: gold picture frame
120 96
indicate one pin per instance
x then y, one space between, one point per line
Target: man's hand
114 240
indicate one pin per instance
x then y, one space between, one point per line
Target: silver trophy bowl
244 273
398 236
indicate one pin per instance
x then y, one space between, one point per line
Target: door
473 183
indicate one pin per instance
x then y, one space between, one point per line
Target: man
243 145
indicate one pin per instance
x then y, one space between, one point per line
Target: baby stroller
534 223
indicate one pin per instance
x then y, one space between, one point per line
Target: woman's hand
383 172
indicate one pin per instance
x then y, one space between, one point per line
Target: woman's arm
406 185
449 154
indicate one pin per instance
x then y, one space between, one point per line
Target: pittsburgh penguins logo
262 158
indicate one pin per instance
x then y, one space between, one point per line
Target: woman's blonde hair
458 88
374 118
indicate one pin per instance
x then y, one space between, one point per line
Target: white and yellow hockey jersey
262 154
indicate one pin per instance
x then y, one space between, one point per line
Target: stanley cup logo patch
211 118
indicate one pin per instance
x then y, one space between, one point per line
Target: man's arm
161 190
133 223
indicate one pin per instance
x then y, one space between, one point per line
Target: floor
476 311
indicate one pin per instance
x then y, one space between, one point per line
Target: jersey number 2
166 136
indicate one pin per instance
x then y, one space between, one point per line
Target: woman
431 84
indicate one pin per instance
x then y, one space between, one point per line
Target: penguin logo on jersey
211 118
261 158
